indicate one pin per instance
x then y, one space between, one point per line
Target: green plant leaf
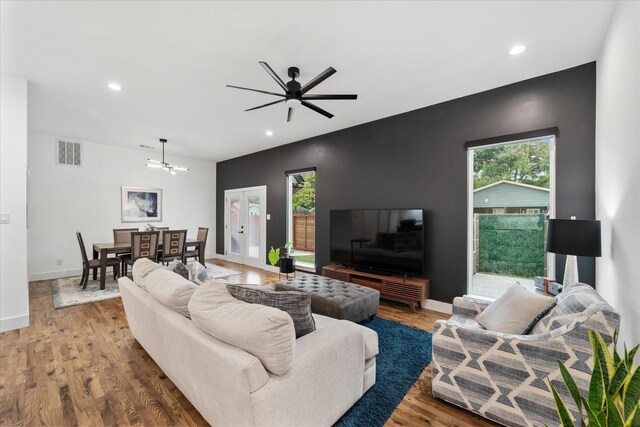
631 391
596 385
571 386
274 256
614 419
594 420
615 388
633 419
604 358
563 412
616 357
608 357
629 357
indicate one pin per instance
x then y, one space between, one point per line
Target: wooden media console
410 290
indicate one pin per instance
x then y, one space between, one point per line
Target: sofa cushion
141 269
170 289
516 311
296 304
265 332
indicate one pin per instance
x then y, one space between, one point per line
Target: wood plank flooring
81 366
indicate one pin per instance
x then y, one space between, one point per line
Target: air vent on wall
69 153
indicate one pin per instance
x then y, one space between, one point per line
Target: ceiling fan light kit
295 94
163 164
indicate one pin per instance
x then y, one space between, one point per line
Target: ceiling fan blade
290 114
316 109
317 80
256 90
265 105
330 97
274 75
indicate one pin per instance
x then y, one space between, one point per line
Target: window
301 217
511 196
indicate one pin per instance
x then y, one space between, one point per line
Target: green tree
527 163
305 195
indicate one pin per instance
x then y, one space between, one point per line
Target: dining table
101 250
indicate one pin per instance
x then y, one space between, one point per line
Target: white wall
66 199
14 288
617 163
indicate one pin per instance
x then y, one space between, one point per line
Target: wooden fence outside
304 232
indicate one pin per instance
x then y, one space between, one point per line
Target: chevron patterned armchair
503 377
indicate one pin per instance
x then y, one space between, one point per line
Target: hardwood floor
81 366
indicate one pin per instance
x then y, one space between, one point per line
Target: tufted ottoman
334 298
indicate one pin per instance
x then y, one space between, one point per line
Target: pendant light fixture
164 165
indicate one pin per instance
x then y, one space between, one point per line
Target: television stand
410 290
373 271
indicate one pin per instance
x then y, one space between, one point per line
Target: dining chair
195 253
122 235
144 244
161 231
172 245
94 264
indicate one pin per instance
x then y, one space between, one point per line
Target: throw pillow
179 268
197 272
516 311
265 332
296 304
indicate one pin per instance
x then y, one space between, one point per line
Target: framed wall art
141 204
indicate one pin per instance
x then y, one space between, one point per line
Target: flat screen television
378 240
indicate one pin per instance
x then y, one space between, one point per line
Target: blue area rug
404 353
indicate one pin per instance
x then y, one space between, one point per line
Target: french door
245 225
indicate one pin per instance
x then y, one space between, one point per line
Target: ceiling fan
294 93
162 164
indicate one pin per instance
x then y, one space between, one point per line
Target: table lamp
573 237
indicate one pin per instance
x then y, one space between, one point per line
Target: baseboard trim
55 274
271 268
442 307
219 256
11 323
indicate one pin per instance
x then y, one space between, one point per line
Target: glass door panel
254 207
301 218
233 226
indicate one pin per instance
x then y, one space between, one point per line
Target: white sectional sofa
330 369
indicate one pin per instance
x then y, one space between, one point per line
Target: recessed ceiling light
517 50
269 133
115 87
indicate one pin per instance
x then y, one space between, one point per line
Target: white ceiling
174 59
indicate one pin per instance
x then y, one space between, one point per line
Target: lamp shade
574 237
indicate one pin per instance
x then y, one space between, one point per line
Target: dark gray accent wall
417 160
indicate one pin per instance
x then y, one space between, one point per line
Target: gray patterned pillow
198 273
296 304
178 267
